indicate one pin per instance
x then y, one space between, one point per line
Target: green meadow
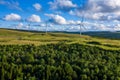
17 37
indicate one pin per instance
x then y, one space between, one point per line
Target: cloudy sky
60 15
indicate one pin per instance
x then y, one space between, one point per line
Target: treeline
58 62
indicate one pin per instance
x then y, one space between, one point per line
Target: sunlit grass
14 37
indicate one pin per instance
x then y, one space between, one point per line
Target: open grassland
15 37
28 55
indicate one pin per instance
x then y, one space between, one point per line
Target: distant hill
99 34
104 34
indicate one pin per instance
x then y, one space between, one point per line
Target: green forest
59 61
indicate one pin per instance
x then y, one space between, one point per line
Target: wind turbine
82 18
81 25
47 24
27 22
46 27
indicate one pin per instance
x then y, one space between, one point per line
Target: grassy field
15 37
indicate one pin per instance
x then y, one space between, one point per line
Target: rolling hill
21 37
30 55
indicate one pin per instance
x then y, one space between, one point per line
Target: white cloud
42 25
34 18
97 16
117 27
37 6
88 25
20 25
97 26
56 19
72 22
12 17
11 4
99 10
93 26
103 5
62 4
51 25
71 12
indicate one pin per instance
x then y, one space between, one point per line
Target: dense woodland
58 62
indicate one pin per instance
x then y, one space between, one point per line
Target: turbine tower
82 17
81 24
46 27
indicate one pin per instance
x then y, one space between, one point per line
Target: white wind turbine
46 30
81 24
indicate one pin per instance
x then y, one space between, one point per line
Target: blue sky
60 15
